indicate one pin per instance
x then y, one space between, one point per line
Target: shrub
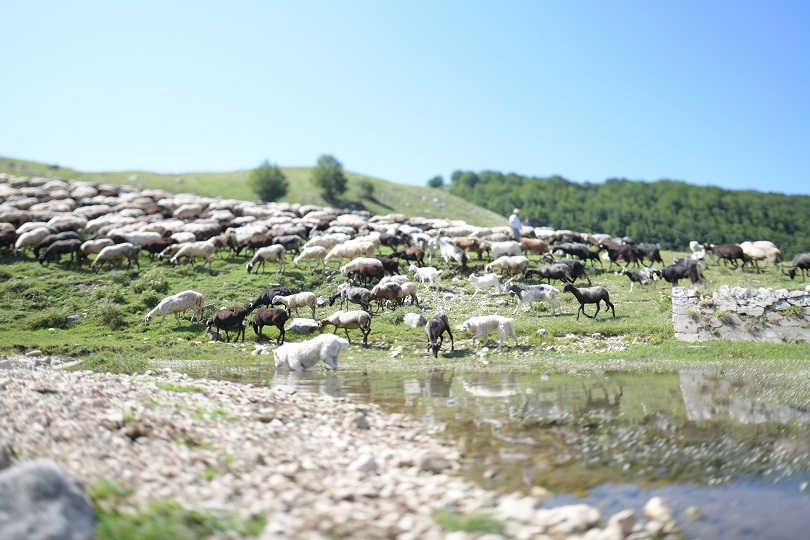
48 318
152 280
110 315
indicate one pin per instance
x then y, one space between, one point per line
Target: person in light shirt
514 223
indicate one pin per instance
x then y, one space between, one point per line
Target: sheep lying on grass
486 324
304 355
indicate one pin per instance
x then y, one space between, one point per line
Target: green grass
111 333
477 523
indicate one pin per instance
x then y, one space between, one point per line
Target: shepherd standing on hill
514 222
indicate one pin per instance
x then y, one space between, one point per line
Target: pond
729 450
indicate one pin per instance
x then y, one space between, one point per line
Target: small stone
34 353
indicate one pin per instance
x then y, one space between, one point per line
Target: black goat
270 317
435 329
266 298
729 253
230 317
622 252
683 269
651 252
590 295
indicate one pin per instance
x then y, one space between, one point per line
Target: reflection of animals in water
606 404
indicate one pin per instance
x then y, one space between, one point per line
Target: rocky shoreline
314 466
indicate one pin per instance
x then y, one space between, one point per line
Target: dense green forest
671 213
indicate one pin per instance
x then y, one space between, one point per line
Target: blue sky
711 93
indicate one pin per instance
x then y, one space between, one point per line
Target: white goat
177 304
268 253
509 264
536 293
304 355
452 252
426 273
484 282
312 253
195 250
486 324
295 301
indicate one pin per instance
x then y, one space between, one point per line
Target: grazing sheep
156 247
195 250
304 355
30 239
408 289
509 264
290 242
469 243
95 246
312 253
268 253
349 250
270 317
533 246
800 262
486 324
414 254
509 247
295 301
177 304
559 271
389 265
61 247
484 282
590 295
762 250
348 320
389 292
535 293
55 237
426 273
356 295
116 252
643 276
435 329
366 273
229 317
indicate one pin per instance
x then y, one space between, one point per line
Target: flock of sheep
107 224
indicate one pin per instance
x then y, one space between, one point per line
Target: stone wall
739 314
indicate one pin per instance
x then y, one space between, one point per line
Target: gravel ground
314 466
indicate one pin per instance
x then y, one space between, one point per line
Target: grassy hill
388 196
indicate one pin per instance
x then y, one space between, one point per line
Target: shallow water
733 444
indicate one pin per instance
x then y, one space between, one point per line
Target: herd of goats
103 224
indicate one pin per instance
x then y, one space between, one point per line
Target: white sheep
509 264
116 252
137 238
357 319
268 253
426 273
304 355
95 246
312 253
359 261
327 241
30 239
509 247
295 301
349 250
486 324
195 250
398 279
484 282
177 304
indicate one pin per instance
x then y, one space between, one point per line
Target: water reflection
694 436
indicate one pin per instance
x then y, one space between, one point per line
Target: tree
329 177
436 182
366 189
268 182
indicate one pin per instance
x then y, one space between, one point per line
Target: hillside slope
388 196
